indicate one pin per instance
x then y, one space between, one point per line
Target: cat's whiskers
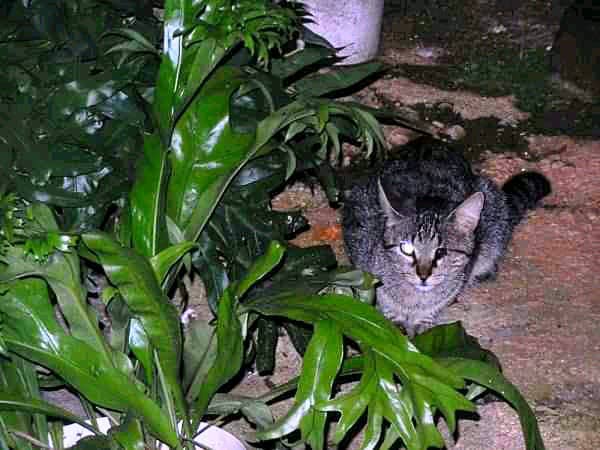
426 226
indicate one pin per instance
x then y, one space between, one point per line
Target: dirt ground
541 316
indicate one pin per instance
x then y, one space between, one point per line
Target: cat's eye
407 248
440 253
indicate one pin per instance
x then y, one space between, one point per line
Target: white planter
212 437
353 24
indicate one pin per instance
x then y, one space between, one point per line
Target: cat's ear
391 213
466 215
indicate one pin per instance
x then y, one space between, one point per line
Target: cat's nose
424 271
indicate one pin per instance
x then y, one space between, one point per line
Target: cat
427 227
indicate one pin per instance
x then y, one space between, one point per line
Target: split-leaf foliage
131 160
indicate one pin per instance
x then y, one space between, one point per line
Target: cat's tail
523 192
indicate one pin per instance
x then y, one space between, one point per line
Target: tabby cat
427 227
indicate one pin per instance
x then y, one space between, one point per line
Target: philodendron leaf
19 378
320 367
260 267
134 276
165 260
337 79
353 405
62 272
451 340
95 443
229 358
31 331
206 153
9 401
129 434
140 346
199 353
362 323
452 347
256 411
229 331
147 199
378 395
486 375
294 63
429 384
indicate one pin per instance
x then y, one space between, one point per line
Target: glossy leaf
19 378
140 346
451 340
229 357
488 376
338 79
166 259
263 265
205 152
266 345
199 353
321 364
10 401
353 404
31 331
62 272
297 61
380 397
134 276
129 434
74 117
243 224
362 323
147 199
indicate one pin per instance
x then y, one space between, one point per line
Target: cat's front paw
413 329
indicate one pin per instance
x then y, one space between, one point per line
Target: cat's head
426 244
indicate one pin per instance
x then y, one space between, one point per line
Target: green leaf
229 357
267 335
257 412
379 396
426 385
258 97
353 404
451 340
320 367
166 259
361 322
337 79
129 434
395 408
488 376
140 346
305 271
19 378
206 152
134 276
263 265
199 353
31 331
95 443
147 199
243 225
134 36
10 401
62 272
294 63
